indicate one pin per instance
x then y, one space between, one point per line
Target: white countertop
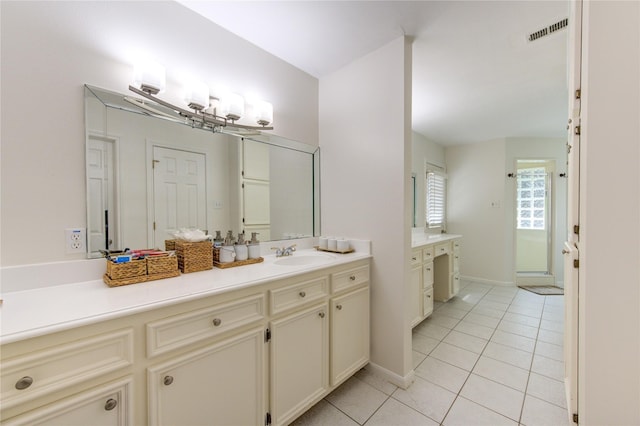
38 311
422 239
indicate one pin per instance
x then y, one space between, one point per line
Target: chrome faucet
284 251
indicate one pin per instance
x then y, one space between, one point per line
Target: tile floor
490 356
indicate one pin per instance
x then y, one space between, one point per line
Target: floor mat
545 290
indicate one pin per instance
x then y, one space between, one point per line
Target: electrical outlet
217 204
75 240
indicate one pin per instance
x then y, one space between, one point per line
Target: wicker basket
135 268
169 245
162 265
193 257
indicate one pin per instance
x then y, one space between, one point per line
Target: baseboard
533 280
391 377
487 281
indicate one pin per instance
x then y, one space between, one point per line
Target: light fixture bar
202 118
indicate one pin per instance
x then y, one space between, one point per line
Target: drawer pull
217 322
110 404
339 307
24 383
167 380
414 258
321 314
352 277
302 294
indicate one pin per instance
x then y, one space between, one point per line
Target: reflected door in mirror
179 192
101 194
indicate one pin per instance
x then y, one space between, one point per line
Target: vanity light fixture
207 111
150 77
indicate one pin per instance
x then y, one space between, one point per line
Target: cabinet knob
414 258
321 314
167 380
110 404
339 307
24 382
217 322
352 277
302 294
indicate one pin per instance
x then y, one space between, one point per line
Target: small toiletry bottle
254 246
241 248
218 240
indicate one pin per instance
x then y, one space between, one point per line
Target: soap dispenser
241 248
218 241
254 246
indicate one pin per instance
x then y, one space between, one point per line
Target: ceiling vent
548 30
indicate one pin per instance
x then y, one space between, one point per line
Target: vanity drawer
49 370
416 257
444 248
348 279
427 305
180 330
296 295
456 246
456 262
427 275
428 253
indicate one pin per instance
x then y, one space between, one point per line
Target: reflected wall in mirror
149 173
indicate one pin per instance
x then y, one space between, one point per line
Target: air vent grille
548 30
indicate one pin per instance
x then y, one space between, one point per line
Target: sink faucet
284 251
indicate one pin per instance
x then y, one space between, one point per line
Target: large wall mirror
150 173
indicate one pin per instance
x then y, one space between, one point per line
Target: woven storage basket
193 257
135 268
162 265
169 245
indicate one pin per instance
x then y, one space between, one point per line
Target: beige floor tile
443 374
551 337
548 367
509 355
550 350
503 373
431 400
424 344
477 330
323 414
454 355
513 340
429 329
521 319
547 389
519 329
357 399
466 341
376 381
482 320
395 413
418 357
467 413
494 396
537 412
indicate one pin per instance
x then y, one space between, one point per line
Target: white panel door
179 188
101 220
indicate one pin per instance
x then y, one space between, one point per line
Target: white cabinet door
427 306
108 405
299 362
416 294
349 334
221 384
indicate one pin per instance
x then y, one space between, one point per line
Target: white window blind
436 200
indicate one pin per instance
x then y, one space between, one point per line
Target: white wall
423 150
481 203
609 273
476 178
50 49
366 189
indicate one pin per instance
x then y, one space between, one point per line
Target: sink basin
304 260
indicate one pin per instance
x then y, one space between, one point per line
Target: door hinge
578 93
576 263
267 419
576 229
154 226
153 163
577 130
242 173
243 186
267 335
575 417
243 220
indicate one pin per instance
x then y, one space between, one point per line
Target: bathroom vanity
254 345
434 272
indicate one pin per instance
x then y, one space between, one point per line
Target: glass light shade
263 113
150 77
232 106
197 95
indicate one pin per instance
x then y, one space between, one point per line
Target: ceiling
476 77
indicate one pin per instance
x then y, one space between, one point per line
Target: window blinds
435 209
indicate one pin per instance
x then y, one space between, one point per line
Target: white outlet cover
75 240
